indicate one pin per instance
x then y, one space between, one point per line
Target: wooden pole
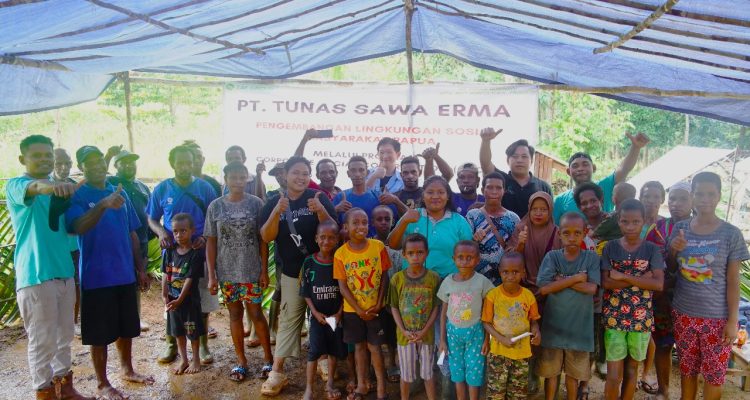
638 28
128 111
731 184
686 136
409 12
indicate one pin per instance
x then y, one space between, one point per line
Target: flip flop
647 387
238 374
333 394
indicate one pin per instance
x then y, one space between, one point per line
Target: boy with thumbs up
111 268
359 195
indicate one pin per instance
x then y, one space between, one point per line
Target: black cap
85 151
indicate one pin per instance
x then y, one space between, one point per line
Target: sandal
267 368
274 384
355 396
333 394
394 374
238 374
212 334
647 387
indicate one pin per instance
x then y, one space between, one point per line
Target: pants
466 360
507 379
47 312
291 318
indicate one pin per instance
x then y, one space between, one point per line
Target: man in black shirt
520 184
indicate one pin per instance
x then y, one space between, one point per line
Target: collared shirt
394 184
442 235
516 197
565 202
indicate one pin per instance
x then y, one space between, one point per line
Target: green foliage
745 280
9 312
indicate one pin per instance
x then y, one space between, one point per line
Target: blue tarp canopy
62 52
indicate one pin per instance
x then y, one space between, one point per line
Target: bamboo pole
128 113
409 12
25 62
638 28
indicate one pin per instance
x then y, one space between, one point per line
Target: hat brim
133 157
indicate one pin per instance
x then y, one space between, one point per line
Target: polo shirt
41 254
516 197
106 250
564 202
442 237
169 199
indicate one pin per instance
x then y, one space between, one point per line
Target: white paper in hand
519 337
331 322
441 358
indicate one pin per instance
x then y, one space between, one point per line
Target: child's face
357 225
182 232
466 258
382 220
591 206
327 238
572 231
631 223
415 253
512 272
236 181
539 212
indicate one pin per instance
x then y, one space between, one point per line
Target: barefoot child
569 277
462 336
360 266
322 294
510 310
182 266
414 305
631 270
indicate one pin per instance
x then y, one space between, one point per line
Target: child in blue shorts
462 334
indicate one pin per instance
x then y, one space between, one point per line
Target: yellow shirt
511 316
362 270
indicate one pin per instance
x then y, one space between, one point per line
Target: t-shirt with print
415 299
464 299
462 204
235 227
629 309
169 199
442 237
412 199
490 249
41 254
178 267
701 288
362 270
320 287
106 249
305 223
568 321
565 202
510 315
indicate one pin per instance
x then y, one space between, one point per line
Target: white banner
268 120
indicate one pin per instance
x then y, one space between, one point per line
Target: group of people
494 290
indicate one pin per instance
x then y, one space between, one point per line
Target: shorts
389 327
409 354
466 361
244 292
186 320
507 378
324 341
699 344
357 330
620 344
575 363
109 313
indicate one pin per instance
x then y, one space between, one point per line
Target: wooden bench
741 368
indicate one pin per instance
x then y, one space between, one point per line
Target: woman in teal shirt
438 222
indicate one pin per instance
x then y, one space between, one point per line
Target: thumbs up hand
679 243
387 197
115 200
283 204
343 205
314 203
523 235
480 233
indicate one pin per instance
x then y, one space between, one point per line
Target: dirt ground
212 382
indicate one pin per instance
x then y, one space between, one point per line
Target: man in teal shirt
46 292
581 168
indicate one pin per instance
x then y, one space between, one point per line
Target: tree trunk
686 137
